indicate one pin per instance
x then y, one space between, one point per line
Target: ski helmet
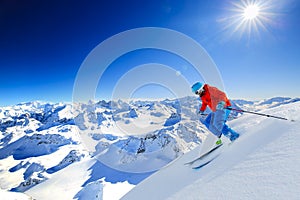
197 86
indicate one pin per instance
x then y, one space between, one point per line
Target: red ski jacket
211 97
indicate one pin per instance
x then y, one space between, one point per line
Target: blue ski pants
216 123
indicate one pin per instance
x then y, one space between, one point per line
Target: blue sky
43 44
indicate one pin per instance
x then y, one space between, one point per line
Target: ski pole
266 115
229 117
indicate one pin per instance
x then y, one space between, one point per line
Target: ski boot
234 136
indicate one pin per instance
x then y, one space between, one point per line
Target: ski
203 156
210 160
206 163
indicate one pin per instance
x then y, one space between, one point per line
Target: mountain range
91 149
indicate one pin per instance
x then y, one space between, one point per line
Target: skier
217 101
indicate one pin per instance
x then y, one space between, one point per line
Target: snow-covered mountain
134 139
264 104
91 150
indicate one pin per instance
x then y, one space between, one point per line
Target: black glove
201 112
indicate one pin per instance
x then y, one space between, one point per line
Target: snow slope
6 195
78 181
262 164
46 147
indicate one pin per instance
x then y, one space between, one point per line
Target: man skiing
217 101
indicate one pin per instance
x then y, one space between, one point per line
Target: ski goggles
199 91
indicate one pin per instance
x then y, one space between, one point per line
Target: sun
248 17
251 12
